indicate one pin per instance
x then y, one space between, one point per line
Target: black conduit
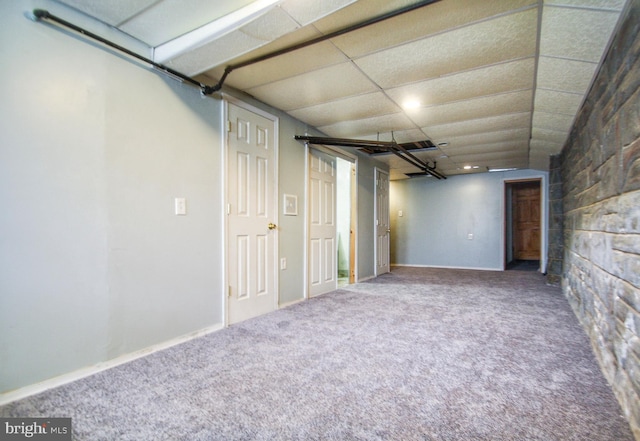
40 14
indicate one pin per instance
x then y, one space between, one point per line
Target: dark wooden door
526 221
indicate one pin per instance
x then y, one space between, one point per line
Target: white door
252 214
383 227
323 264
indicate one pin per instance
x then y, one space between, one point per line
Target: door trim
541 180
376 172
226 100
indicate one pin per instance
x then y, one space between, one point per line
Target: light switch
470 236
181 206
400 214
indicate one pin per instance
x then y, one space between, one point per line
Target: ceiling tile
425 21
307 11
505 77
359 128
313 88
520 101
512 136
355 107
550 101
505 38
552 121
549 135
287 65
614 5
490 124
565 75
578 34
112 12
169 19
498 147
260 31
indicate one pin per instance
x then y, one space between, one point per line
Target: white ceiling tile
259 32
520 101
490 124
314 88
381 124
546 147
614 5
354 107
111 12
578 34
505 77
429 20
169 19
513 136
552 121
284 66
565 75
550 101
549 135
498 147
490 42
308 11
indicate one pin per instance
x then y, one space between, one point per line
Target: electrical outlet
181 206
470 236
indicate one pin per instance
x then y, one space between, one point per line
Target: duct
399 150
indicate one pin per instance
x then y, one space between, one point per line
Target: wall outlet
470 236
181 206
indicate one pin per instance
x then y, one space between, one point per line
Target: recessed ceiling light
476 166
467 167
411 104
502 169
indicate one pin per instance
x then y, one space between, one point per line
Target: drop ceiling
498 82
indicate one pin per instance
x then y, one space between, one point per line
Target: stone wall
600 171
556 216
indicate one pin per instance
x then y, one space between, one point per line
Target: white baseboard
448 267
364 279
70 377
286 305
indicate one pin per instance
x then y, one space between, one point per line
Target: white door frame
229 99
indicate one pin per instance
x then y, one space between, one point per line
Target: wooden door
526 221
252 214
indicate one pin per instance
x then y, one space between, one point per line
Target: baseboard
364 279
70 377
293 302
448 267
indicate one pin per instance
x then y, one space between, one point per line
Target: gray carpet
417 354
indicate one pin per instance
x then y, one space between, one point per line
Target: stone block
628 212
626 266
610 178
629 119
629 243
628 294
631 164
604 286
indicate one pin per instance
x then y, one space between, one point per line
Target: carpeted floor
417 354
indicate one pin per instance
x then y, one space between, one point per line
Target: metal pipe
41 14
322 38
391 146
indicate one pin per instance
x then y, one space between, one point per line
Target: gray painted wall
438 216
94 147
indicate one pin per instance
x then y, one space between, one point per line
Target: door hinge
228 209
229 291
229 127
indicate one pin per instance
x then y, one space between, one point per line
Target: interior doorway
332 221
523 222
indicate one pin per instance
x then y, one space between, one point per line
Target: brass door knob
272 226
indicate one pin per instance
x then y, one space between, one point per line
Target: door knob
272 226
